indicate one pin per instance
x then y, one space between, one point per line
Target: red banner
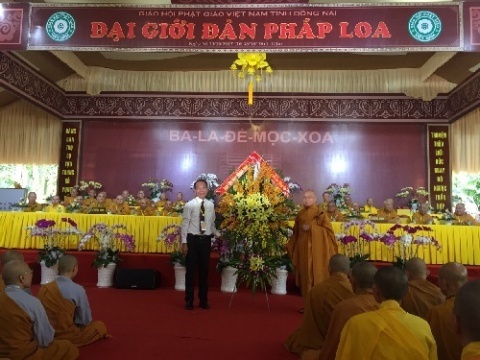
272 28
439 166
14 26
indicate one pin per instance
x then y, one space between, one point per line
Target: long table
459 243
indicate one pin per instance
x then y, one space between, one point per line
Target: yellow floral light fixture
251 66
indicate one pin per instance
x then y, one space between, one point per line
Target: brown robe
335 216
421 297
17 340
389 216
440 319
148 211
61 314
318 309
2 285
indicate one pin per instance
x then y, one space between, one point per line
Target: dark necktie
202 216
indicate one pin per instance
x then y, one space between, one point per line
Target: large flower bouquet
254 222
85 185
171 237
338 193
55 239
212 184
404 241
110 240
356 238
157 187
412 195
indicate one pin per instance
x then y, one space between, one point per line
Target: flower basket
105 275
180 271
279 282
229 280
48 274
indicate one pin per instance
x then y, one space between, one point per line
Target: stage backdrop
375 159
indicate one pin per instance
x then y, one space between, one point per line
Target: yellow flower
256 263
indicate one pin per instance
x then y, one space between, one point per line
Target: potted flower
412 196
171 237
109 241
224 265
55 241
158 187
338 193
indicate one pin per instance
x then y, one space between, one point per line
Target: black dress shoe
205 306
189 306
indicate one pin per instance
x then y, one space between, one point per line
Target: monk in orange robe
422 217
32 205
100 205
311 245
422 294
140 196
333 213
327 197
450 278
67 307
461 216
466 309
388 212
119 206
389 332
319 306
145 209
73 195
25 332
91 197
7 256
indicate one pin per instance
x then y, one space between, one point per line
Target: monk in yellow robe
145 210
7 256
389 332
319 306
450 278
73 195
25 332
99 205
369 207
119 206
67 307
160 204
461 216
361 277
311 245
55 206
388 212
421 217
32 205
422 294
140 196
327 197
466 310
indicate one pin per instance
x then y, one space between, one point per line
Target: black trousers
198 255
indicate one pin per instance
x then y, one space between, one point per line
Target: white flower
406 239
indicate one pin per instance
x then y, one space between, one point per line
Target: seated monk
179 202
369 207
422 217
67 307
333 213
450 278
25 332
466 310
91 197
55 206
422 295
167 209
100 205
389 332
146 210
388 212
361 278
320 302
162 202
73 195
348 202
461 216
76 206
32 205
327 197
355 211
7 256
119 206
140 196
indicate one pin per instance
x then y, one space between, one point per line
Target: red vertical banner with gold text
69 157
439 174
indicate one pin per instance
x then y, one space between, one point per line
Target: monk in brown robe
7 256
450 278
140 196
361 277
145 209
467 319
388 212
25 332
119 206
311 245
319 306
461 216
32 205
422 295
333 213
67 307
326 199
422 217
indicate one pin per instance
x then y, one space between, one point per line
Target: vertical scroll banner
440 184
266 28
14 26
69 157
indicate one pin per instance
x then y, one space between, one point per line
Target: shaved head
416 269
451 277
467 311
391 283
339 263
10 255
362 275
66 264
12 271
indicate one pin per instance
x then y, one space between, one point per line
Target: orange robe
17 340
389 216
88 201
2 285
149 202
33 208
149 211
336 216
465 219
347 309
440 319
420 219
323 206
421 297
68 200
319 306
471 351
116 209
310 250
61 314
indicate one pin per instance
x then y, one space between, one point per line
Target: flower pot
49 274
229 280
279 284
105 275
180 271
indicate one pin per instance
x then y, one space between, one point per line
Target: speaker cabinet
144 279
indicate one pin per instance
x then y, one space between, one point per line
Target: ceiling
454 69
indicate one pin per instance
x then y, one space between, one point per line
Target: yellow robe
389 216
440 319
471 351
421 297
388 333
148 211
116 209
68 200
33 208
335 216
420 219
55 209
370 209
310 250
61 314
465 219
319 306
17 340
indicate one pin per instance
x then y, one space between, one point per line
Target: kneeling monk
67 306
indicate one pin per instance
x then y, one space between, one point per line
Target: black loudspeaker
137 279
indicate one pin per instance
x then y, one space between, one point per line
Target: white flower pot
229 280
49 274
180 271
279 284
105 275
